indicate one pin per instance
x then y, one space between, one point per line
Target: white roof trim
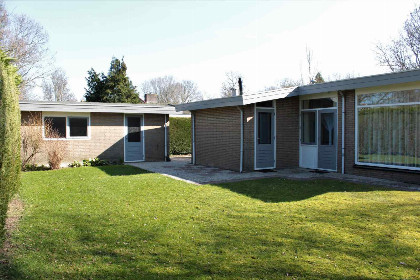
348 84
95 107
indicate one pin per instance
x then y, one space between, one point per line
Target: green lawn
117 222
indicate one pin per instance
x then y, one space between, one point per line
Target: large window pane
327 128
380 98
55 127
389 135
134 129
308 128
264 128
78 127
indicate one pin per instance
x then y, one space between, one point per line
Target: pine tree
115 87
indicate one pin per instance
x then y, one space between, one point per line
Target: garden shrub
91 162
180 136
56 149
10 164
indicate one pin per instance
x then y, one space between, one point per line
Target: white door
133 142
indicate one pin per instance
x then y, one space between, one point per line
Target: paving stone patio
180 168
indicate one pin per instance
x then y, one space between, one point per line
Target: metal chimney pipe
240 86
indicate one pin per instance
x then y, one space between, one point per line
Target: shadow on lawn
121 170
285 190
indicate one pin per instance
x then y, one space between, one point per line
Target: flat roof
346 84
96 107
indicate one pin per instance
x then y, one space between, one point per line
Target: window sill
382 168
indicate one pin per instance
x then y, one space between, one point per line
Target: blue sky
201 40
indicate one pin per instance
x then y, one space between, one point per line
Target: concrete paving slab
180 168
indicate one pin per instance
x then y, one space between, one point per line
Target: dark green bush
35 167
180 136
10 163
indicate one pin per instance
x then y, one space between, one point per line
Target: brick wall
107 138
287 128
248 158
217 137
154 134
349 141
106 141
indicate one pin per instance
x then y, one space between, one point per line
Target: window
388 129
78 126
66 127
327 129
264 128
308 128
57 127
134 129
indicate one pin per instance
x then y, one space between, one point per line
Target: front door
327 140
133 141
265 139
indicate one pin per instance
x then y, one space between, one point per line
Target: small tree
32 140
56 149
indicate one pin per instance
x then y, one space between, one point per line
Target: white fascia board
362 82
211 103
95 108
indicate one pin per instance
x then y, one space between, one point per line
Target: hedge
180 136
9 136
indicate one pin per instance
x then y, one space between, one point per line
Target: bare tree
170 91
26 41
56 88
403 53
230 83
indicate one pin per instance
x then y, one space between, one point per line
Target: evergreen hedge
180 136
9 136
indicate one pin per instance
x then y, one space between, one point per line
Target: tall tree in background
115 87
403 53
55 87
26 41
170 91
231 82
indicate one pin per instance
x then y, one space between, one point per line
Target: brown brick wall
349 141
248 158
217 137
107 138
154 134
106 141
287 131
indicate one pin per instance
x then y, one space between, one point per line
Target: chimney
150 98
233 91
240 86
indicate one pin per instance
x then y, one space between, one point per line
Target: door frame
272 110
317 128
142 134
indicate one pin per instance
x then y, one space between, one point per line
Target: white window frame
356 128
67 116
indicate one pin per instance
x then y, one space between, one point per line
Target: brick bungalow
112 131
366 126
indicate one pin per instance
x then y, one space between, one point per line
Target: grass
119 222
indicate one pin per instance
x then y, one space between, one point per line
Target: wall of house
154 135
107 138
287 132
349 145
217 137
